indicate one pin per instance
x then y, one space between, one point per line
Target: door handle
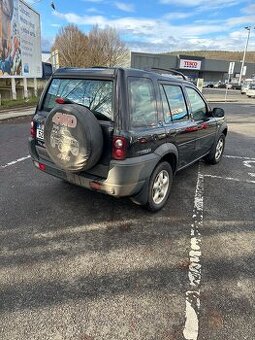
172 132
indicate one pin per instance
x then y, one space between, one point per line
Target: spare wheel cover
73 137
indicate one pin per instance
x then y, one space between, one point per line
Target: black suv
124 132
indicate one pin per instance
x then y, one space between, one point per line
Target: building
211 70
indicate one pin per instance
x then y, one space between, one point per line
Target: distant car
209 85
251 91
221 86
246 85
235 86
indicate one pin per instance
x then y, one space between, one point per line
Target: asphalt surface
75 264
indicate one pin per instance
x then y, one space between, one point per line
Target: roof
110 72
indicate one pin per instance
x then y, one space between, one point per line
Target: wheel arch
168 152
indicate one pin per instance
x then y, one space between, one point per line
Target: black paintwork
187 140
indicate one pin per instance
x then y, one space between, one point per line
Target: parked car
251 90
208 85
124 132
246 84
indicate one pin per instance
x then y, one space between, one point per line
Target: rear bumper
125 178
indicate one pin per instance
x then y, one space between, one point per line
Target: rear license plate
40 132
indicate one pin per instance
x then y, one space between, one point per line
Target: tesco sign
190 64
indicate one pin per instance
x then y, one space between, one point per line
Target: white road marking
252 174
14 162
191 327
231 179
239 157
248 164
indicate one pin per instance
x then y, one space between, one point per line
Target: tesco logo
190 64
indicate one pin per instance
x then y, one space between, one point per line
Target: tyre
217 151
73 137
159 186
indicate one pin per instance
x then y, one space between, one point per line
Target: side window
142 102
197 103
176 102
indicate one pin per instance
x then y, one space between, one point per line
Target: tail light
33 129
119 147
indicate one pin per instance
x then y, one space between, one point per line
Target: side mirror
218 112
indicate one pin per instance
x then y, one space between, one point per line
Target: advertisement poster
20 40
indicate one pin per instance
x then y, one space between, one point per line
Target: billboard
20 40
190 64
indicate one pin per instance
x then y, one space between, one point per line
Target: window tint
142 102
198 106
95 94
176 102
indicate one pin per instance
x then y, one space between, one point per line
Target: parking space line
191 326
14 162
239 157
231 179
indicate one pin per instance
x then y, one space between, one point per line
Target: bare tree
72 46
105 48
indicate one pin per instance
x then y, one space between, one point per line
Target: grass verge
12 104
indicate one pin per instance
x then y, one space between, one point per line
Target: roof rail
174 72
99 66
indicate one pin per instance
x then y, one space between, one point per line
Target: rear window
96 95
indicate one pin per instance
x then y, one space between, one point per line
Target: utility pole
248 28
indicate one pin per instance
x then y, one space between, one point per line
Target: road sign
231 67
244 70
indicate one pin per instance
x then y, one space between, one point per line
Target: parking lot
75 264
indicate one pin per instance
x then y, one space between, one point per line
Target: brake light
42 166
33 129
60 100
119 148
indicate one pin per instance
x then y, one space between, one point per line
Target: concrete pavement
17 112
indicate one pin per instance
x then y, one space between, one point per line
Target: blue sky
156 26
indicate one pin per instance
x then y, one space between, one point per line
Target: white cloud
160 35
46 43
249 9
94 1
124 6
177 15
141 26
194 3
92 10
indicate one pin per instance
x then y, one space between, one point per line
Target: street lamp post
248 28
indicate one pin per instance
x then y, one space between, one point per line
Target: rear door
181 130
146 129
205 123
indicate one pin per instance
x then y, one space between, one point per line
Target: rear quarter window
142 103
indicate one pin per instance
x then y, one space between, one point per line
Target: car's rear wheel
217 152
159 186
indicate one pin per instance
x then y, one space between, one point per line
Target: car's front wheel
159 186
